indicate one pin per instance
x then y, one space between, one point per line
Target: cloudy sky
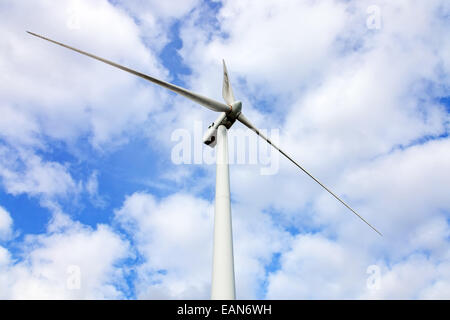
93 205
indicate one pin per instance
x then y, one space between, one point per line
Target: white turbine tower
222 286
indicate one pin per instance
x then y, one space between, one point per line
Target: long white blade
227 92
204 101
245 121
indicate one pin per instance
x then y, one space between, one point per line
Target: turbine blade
227 92
204 101
247 123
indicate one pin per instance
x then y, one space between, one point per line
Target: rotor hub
231 116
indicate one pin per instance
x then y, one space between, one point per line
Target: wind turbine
222 285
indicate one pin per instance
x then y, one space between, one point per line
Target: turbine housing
210 136
236 108
225 119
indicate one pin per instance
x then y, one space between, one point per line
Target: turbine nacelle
236 108
225 119
210 136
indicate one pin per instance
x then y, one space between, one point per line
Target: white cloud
92 184
317 268
45 270
25 172
403 194
174 236
257 239
64 95
418 277
92 189
53 95
11 120
5 226
4 257
155 17
274 46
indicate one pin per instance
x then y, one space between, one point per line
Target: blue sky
360 96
